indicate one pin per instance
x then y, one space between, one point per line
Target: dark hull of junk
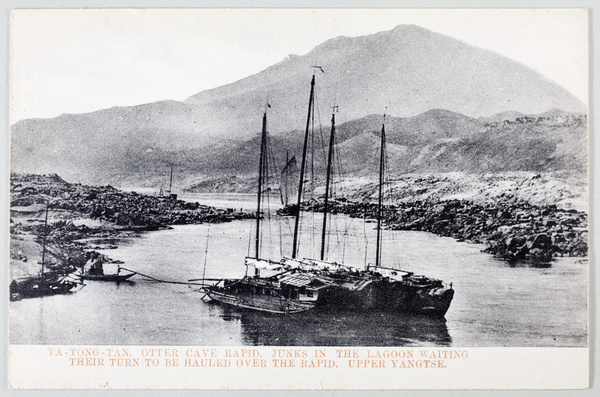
302 285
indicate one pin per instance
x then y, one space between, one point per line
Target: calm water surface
494 304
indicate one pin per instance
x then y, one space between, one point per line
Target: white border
417 4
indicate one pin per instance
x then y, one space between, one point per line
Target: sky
78 60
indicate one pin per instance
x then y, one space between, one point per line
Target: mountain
412 71
441 141
435 141
409 70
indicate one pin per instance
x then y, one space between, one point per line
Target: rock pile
68 246
127 209
516 232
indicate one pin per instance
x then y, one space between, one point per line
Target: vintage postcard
299 199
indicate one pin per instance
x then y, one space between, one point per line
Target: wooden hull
107 277
388 297
35 288
262 303
383 298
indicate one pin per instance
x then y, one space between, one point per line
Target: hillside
434 142
409 70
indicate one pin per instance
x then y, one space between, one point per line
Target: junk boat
296 285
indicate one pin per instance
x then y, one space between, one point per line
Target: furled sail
289 182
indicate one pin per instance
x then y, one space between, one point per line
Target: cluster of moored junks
293 286
296 285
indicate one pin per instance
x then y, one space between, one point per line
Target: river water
494 304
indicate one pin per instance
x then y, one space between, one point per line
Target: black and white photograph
386 178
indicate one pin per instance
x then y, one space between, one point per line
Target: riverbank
514 231
84 218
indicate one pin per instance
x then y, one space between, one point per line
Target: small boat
108 277
94 270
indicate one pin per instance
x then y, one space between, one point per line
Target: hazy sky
75 61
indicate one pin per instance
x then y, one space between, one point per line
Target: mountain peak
409 28
411 67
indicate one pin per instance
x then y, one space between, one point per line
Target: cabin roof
301 280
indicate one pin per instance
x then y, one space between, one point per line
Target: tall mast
380 203
284 184
171 181
327 180
302 167
262 168
44 240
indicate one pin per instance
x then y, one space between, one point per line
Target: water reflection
319 328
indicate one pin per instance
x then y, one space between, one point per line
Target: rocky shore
507 215
514 231
84 218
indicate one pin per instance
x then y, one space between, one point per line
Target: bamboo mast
302 167
327 182
261 170
380 203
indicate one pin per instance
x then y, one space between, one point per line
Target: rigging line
273 168
343 235
365 236
312 147
249 244
343 241
277 182
267 196
205 254
300 226
280 230
391 233
389 209
161 281
338 163
313 178
266 188
290 229
320 130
